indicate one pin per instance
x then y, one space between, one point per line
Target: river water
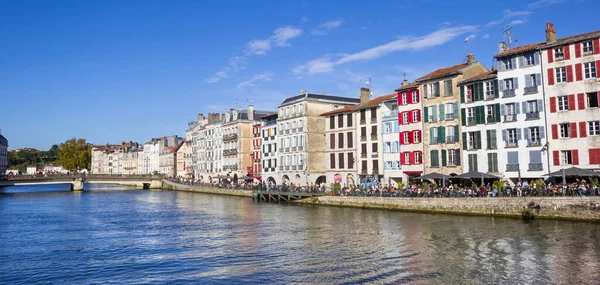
115 235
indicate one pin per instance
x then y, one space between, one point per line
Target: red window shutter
581 101
550 76
552 104
571 102
597 68
594 154
575 156
421 156
412 157
569 73
411 117
550 55
556 157
411 137
578 50
596 46
582 130
419 115
409 98
402 138
567 50
554 131
402 158
573 130
578 71
400 118
420 136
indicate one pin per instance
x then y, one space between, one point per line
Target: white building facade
390 135
268 131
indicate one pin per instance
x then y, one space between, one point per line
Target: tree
74 154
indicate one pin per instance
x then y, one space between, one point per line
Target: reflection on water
177 237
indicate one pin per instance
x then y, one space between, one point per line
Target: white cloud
237 63
252 81
511 14
280 38
304 19
222 74
470 37
517 22
493 23
324 28
543 3
486 36
212 79
439 37
234 64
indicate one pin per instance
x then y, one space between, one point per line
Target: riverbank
169 185
558 208
561 208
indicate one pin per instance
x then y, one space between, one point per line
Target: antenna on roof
467 43
404 75
507 35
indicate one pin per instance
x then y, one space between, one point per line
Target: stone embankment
565 208
169 185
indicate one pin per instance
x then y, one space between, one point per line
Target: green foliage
401 185
155 173
498 185
336 186
29 156
594 181
75 153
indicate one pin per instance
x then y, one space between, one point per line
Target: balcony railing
512 167
531 90
287 132
301 147
510 118
230 137
294 148
280 149
490 96
471 146
280 167
491 119
287 167
508 93
230 152
363 172
513 143
373 120
363 155
450 116
536 166
375 170
534 142
451 139
470 121
363 121
532 115
363 138
287 149
435 140
294 167
300 129
373 137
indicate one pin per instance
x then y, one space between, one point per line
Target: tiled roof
480 76
443 72
572 39
410 86
368 104
519 50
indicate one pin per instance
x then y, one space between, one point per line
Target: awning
412 172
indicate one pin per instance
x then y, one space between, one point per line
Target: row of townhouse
537 113
159 155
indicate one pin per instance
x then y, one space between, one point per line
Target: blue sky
131 70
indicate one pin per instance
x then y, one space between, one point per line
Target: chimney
365 95
201 117
223 117
550 33
502 47
404 82
470 58
251 112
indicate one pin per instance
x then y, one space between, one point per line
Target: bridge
77 182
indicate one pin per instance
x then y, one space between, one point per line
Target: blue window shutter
434 111
455 110
542 133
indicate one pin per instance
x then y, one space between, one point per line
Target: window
435 162
470 112
418 157
565 130
406 137
592 100
375 165
565 157
363 132
331 160
387 147
450 135
435 89
508 84
450 111
489 90
405 117
561 74
472 140
588 47
594 128
415 116
340 121
507 64
417 136
349 119
532 106
448 88
490 113
415 97
350 140
491 139
340 140
473 162
559 53
534 138
563 103
364 166
452 157
469 92
387 127
363 149
363 116
341 161
434 135
431 113
404 98
373 131
373 114
529 59
350 160
589 70
510 109
492 162
331 141
425 90
511 139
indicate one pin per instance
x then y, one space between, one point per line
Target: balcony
534 142
363 138
532 115
287 167
512 167
294 167
471 146
230 167
375 155
451 139
536 166
287 149
375 170
490 96
435 140
281 150
470 121
300 129
363 172
510 118
373 137
513 143
230 137
491 119
230 152
280 167
508 93
530 90
373 120
294 148
451 163
363 155
301 147
287 132
450 117
363 121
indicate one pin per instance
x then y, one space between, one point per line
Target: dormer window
559 53
588 47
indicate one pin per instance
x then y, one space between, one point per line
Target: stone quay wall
565 208
169 185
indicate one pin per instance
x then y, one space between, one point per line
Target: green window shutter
442 109
496 95
464 141
442 134
434 111
481 114
443 157
457 156
456 136
478 139
426 112
488 140
455 109
431 136
493 139
479 86
497 109
432 158
462 93
463 116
